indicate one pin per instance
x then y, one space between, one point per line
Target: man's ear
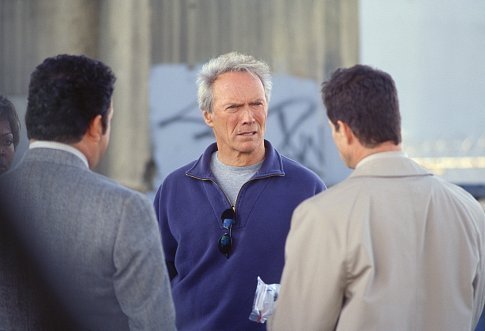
346 131
208 118
95 129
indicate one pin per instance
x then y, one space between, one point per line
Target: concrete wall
306 38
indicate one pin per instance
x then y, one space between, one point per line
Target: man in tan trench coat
392 247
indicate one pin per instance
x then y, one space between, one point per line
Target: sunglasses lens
225 244
227 223
228 214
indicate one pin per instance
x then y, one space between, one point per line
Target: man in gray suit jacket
93 244
392 247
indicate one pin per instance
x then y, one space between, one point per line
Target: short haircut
230 62
8 113
66 93
366 100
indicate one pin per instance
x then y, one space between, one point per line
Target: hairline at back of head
360 95
66 92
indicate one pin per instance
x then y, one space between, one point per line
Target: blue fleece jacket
210 291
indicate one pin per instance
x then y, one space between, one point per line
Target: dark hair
8 112
65 93
366 100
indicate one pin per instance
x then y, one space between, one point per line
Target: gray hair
230 62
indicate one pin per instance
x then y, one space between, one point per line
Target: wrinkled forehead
237 83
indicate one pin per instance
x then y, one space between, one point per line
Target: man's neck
364 152
238 159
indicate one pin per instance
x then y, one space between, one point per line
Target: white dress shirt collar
59 146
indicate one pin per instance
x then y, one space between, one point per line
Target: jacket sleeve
312 287
141 281
169 243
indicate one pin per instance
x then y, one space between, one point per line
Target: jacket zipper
237 197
